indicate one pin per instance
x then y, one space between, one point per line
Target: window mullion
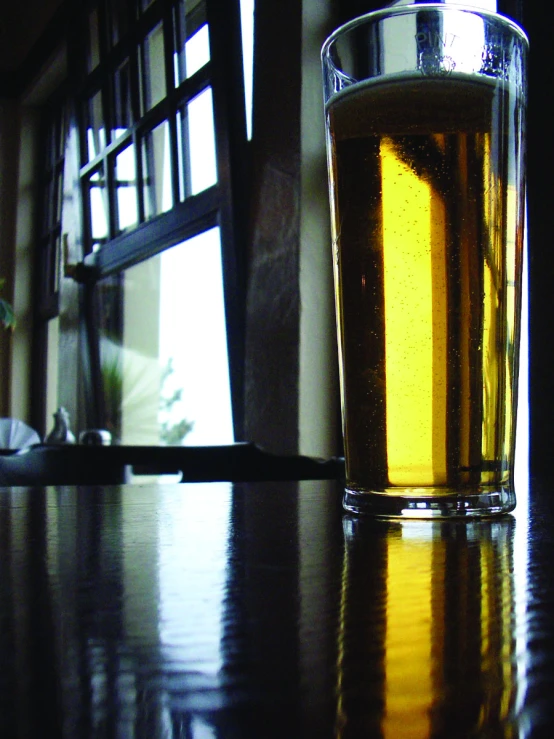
109 171
170 51
230 134
174 156
139 189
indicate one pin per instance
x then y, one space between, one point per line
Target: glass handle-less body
425 110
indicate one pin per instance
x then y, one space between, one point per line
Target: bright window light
203 169
197 50
247 25
191 285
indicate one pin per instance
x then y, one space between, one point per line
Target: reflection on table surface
260 610
442 649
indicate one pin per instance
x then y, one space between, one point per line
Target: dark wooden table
260 610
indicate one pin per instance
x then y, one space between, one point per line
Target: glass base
430 502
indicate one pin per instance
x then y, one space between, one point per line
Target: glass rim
376 15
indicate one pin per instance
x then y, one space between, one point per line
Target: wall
318 412
24 245
9 151
21 25
19 127
291 398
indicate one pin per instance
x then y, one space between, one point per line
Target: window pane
153 69
98 204
126 188
202 142
95 129
197 50
197 162
93 56
192 54
118 16
156 173
179 39
55 271
164 348
183 154
122 111
57 205
47 206
191 39
57 139
196 345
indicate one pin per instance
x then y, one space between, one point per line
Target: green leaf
6 314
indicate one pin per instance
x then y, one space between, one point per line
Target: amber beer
427 208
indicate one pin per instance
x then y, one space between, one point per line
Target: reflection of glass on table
427 605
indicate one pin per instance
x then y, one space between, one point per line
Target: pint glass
425 115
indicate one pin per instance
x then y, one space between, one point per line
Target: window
51 189
49 251
158 119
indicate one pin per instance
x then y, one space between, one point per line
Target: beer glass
425 115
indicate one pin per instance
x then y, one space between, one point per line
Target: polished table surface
260 610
